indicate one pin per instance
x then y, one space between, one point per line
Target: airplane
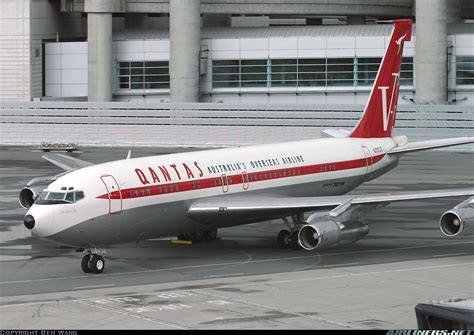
190 195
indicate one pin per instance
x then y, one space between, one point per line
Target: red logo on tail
379 113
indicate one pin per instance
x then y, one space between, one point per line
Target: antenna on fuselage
129 154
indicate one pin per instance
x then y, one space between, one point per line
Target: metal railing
207 124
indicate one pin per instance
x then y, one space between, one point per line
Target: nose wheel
92 263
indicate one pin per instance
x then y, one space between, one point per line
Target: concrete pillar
99 38
431 52
355 19
136 21
185 42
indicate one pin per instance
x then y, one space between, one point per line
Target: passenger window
148 191
165 189
142 192
129 194
136 193
176 188
159 189
198 185
192 186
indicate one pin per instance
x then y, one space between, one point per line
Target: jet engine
29 193
457 222
318 234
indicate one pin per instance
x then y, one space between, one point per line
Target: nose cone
29 221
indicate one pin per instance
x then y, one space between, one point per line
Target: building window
340 72
283 72
225 73
253 73
312 72
305 72
157 74
367 71
465 70
143 75
406 71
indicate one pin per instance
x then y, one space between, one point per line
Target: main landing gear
199 236
288 239
92 263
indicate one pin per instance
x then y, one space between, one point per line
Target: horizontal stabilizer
67 163
338 133
431 144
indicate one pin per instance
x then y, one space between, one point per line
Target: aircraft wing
67 163
247 209
431 144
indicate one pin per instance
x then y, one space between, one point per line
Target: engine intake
457 222
326 234
27 197
29 193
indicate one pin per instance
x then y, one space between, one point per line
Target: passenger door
368 159
115 196
245 180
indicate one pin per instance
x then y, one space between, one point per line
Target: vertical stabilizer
378 118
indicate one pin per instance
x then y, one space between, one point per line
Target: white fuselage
149 197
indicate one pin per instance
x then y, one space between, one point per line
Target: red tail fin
379 113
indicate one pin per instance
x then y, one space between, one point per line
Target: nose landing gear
92 263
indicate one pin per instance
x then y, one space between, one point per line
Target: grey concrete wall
392 8
431 52
99 37
185 42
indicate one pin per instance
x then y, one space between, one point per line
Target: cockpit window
52 198
79 195
70 197
55 196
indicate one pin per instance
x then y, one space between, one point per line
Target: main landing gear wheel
85 263
92 263
284 239
294 241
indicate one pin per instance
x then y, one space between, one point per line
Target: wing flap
247 209
431 144
67 163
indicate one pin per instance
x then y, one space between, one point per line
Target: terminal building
274 51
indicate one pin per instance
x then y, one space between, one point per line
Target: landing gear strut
92 263
289 239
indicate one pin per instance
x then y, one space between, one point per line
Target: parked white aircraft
193 194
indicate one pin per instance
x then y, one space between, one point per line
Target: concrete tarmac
241 281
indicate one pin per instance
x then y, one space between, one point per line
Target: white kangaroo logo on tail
387 112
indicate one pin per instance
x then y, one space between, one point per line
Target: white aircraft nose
29 221
38 222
